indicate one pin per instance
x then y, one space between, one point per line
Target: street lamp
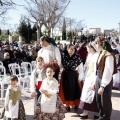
81 30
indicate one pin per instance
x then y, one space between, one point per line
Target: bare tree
5 5
46 12
70 23
80 25
58 26
33 8
55 11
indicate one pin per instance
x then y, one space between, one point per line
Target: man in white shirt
105 69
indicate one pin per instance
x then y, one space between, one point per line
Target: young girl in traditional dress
37 76
14 108
49 105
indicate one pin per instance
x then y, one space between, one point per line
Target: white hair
5 54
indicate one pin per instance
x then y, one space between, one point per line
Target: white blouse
80 71
50 54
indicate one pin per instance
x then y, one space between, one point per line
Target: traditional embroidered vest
101 64
39 73
14 96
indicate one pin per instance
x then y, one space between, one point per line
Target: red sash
38 85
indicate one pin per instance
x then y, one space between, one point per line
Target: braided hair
106 46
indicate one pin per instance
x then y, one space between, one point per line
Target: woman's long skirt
89 107
69 88
21 113
58 115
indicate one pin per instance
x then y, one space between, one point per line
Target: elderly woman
73 73
7 60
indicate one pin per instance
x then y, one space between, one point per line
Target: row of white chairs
23 72
3 80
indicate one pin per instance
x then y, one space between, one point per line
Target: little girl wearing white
14 108
49 105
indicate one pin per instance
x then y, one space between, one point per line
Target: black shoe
96 117
75 107
68 109
84 117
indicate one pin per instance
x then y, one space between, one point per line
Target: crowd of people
88 71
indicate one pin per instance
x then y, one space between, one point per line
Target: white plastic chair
15 69
1 63
20 72
3 80
33 63
26 73
24 80
26 68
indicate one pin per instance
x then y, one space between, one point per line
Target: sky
96 13
104 14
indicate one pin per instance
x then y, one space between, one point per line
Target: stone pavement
28 103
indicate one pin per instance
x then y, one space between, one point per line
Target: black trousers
104 101
38 93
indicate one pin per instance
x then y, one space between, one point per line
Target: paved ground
115 113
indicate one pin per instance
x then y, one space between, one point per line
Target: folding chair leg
2 91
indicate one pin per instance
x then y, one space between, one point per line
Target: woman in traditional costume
87 100
71 76
50 53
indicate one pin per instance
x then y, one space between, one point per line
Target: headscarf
92 45
49 40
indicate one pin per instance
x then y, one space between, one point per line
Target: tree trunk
51 35
49 32
70 40
39 33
